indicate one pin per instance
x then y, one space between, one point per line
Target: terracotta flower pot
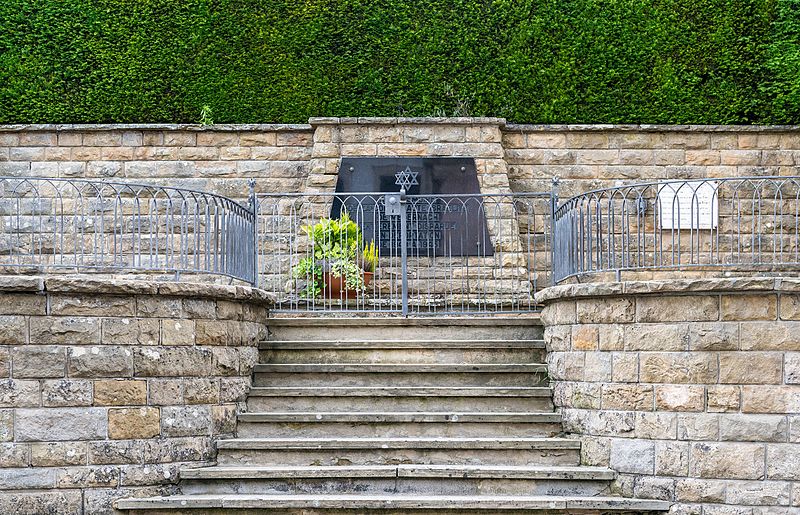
335 287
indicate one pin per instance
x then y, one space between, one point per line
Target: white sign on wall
688 205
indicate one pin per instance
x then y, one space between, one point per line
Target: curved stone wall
108 387
689 388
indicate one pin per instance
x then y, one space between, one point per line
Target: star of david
406 178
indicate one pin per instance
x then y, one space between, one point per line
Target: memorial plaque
441 219
688 205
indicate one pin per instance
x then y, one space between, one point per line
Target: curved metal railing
84 225
750 223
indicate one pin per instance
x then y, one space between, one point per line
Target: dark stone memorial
442 219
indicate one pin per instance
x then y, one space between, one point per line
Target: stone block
749 307
771 399
186 420
27 478
165 450
130 331
38 362
58 454
177 332
116 451
770 336
152 306
609 423
611 337
223 419
60 424
234 389
727 460
791 368
758 493
700 490
654 488
21 304
656 425
129 423
723 398
753 428
783 461
567 366
13 330
713 336
172 361
165 392
6 425
211 332
105 361
678 367
597 367
225 361
632 456
199 308
624 367
790 306
698 426
585 337
15 393
680 398
672 459
750 367
655 337
559 313
93 305
67 392
5 362
15 455
143 475
677 308
627 397
201 391
119 392
65 330
87 477
605 310
558 338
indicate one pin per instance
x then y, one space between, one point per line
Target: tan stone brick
76 304
727 460
546 140
611 337
740 157
177 332
259 139
624 367
723 398
770 399
559 313
179 139
38 139
294 139
211 332
713 336
672 459
790 306
627 397
165 392
130 331
655 337
116 392
605 310
13 330
201 391
654 425
678 367
749 307
677 308
753 428
102 139
703 157
65 330
750 367
770 336
597 367
70 139
58 454
700 490
680 398
584 337
128 423
216 139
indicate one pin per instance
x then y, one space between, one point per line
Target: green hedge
541 61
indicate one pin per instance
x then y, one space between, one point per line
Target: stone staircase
398 416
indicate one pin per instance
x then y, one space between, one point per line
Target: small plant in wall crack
206 115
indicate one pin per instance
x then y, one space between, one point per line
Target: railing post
254 208
404 248
554 182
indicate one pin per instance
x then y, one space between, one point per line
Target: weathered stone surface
624 367
177 332
655 337
791 368
713 336
605 310
66 392
559 313
119 392
558 338
186 420
672 458
211 332
750 367
116 451
698 426
11 478
201 391
100 361
13 330
627 397
38 362
60 424
127 423
5 362
749 307
165 392
18 393
699 490
783 461
585 337
770 336
223 419
159 307
174 361
83 304
65 330
177 449
597 366
234 389
646 487
6 425
87 477
677 308
634 456
131 331
727 460
656 425
58 454
680 398
723 398
753 428
674 367
771 399
22 304
766 493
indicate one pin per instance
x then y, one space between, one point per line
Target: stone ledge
672 286
520 127
191 127
96 285
407 121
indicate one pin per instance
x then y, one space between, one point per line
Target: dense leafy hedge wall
669 61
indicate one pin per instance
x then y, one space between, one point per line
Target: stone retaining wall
108 387
689 388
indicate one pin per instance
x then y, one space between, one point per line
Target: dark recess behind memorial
540 61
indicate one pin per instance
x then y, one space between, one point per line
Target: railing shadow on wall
720 225
74 225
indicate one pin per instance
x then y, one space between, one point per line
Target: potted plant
338 264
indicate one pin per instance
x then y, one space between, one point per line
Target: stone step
396 424
395 398
395 351
401 374
496 327
418 479
392 451
394 503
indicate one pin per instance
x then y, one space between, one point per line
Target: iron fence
748 223
436 254
83 225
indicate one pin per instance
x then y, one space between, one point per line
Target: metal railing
445 254
747 223
83 225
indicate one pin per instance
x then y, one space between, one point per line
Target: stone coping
98 285
191 127
670 286
456 121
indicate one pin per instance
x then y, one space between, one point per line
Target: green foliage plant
206 116
369 257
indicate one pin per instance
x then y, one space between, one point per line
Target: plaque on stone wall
688 205
442 219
